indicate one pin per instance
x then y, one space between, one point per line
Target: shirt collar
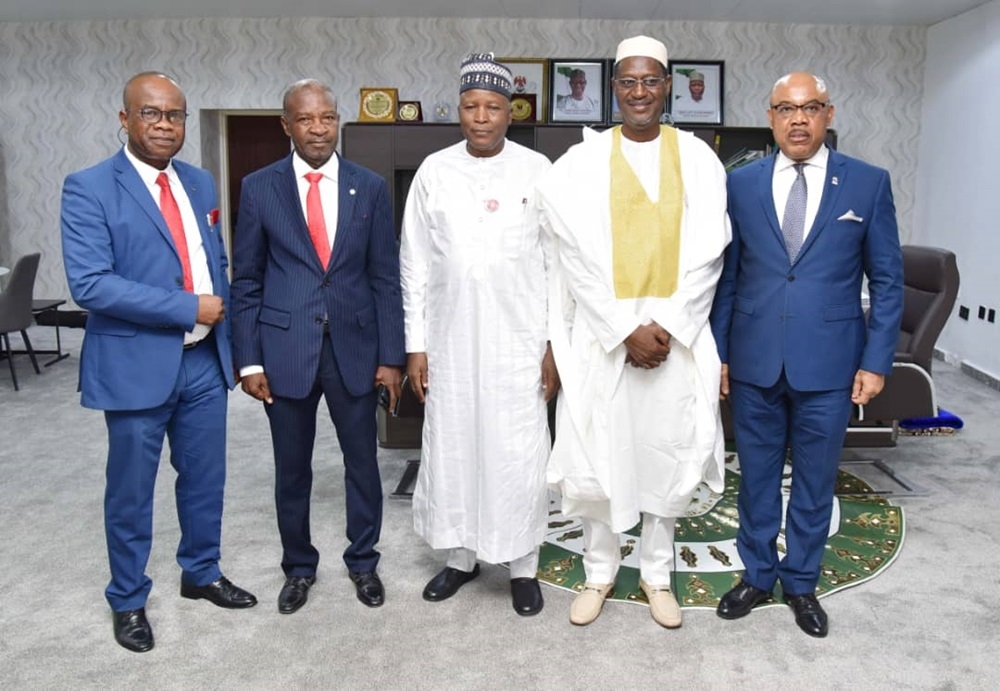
330 169
147 172
818 159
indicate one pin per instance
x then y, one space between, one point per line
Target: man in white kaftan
638 218
474 295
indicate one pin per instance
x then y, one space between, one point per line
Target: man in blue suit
317 311
144 256
796 349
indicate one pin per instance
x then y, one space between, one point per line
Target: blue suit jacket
281 294
122 266
807 317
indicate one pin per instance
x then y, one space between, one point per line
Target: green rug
866 536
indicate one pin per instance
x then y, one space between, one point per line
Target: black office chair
15 309
930 287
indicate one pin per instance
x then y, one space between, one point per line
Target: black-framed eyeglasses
811 109
151 116
629 83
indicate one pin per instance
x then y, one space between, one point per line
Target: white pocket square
851 216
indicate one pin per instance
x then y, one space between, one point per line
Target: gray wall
62 84
957 179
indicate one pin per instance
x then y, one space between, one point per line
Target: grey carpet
930 621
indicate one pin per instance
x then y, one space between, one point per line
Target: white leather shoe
587 605
662 605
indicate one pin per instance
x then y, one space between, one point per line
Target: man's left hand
391 378
867 386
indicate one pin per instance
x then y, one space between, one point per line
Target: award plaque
409 111
442 112
378 105
522 108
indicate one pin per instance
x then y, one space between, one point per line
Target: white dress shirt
328 191
200 277
784 176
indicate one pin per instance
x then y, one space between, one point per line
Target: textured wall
62 83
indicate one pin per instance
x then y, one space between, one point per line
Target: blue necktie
794 223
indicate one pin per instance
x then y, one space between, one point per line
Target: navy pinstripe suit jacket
281 296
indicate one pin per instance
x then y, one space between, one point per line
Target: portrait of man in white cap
637 424
697 93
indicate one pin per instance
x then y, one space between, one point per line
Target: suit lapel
765 193
191 188
130 180
287 189
347 195
836 171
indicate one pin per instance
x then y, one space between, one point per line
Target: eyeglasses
811 109
151 116
629 83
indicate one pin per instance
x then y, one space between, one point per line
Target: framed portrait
697 92
529 97
577 90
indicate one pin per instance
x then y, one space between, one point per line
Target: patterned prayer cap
696 77
481 71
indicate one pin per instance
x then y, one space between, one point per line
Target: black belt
195 344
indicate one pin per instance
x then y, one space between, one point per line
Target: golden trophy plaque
410 111
522 108
378 105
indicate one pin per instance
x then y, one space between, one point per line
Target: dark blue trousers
293 434
766 421
194 420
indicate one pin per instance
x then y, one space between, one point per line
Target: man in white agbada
638 217
474 295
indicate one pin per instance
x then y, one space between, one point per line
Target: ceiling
920 12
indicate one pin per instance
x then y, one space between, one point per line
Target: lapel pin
351 191
834 180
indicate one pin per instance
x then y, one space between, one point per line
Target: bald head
306 85
141 80
806 79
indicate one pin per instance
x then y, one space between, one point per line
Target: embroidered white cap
642 47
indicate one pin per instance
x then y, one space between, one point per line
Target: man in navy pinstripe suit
317 312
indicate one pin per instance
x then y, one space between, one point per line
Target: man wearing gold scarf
637 221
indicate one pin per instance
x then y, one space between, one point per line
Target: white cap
642 47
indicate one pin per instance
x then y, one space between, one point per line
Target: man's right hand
647 346
211 310
416 370
724 382
256 385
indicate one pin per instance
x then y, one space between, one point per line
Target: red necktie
172 215
314 217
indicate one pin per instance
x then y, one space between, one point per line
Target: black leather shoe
740 600
132 630
447 583
526 596
221 593
809 615
294 593
370 589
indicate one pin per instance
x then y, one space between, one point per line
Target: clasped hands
648 346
